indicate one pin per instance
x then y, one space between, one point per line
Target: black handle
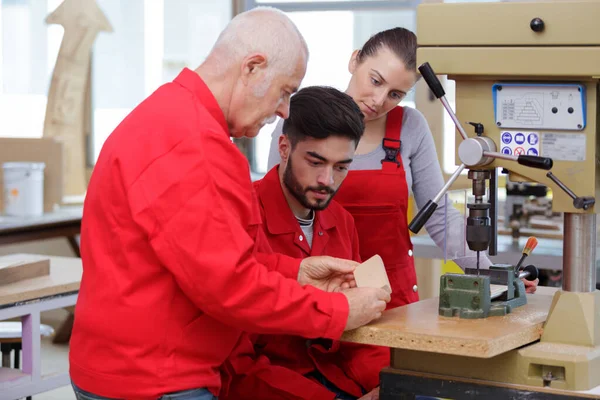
535 162
422 216
432 81
583 202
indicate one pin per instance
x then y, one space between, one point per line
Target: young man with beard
301 219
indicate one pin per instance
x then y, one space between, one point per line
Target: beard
299 192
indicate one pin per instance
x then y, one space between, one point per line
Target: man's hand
366 304
327 273
530 286
372 395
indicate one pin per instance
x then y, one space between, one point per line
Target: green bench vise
469 296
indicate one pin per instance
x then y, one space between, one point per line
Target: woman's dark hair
320 112
401 41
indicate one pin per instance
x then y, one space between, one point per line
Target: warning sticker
518 143
564 146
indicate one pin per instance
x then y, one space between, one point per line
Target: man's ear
251 65
353 61
285 148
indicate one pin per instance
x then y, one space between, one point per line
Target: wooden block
46 150
371 273
65 277
418 326
497 290
18 267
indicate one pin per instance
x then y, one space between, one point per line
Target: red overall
378 201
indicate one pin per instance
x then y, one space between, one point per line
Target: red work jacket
170 270
272 367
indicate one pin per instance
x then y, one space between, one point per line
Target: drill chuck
479 230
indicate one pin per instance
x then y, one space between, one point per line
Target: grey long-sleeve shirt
424 178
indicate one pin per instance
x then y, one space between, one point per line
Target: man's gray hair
264 30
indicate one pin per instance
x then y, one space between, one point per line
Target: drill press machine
468 295
528 73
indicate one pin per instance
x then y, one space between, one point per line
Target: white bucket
23 188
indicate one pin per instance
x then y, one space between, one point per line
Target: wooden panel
46 150
519 62
65 276
18 267
418 326
502 23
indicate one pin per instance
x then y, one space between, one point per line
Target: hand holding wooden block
371 273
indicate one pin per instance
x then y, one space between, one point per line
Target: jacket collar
194 83
278 214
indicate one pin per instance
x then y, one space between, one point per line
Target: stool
10 339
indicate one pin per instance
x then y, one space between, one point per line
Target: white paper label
564 146
518 143
539 106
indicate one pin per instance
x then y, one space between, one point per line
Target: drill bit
477 262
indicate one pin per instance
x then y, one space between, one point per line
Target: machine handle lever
529 161
529 246
422 216
432 80
438 91
429 208
535 162
578 202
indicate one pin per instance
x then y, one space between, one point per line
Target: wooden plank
18 267
65 276
497 290
418 326
46 150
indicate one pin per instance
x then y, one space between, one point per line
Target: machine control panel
539 106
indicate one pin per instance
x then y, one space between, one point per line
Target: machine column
579 253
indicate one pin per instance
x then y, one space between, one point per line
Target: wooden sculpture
65 111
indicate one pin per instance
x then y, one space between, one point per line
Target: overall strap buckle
392 149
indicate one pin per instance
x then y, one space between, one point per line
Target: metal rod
579 253
455 175
561 185
457 123
523 274
493 199
503 156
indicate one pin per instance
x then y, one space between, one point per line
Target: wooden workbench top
418 326
65 277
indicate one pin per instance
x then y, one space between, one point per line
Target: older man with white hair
175 267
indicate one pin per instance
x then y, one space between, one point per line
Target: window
149 45
28 49
331 37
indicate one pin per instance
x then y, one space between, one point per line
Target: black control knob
537 25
